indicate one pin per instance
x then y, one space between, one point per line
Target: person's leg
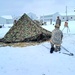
57 48
52 48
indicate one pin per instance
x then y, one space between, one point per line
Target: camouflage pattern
25 29
56 37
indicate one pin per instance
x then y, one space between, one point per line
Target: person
66 24
15 21
58 21
56 39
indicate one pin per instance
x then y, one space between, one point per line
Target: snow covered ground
36 60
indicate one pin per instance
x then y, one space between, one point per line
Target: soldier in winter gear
66 26
56 39
58 21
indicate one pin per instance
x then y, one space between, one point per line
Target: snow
5 29
70 25
36 60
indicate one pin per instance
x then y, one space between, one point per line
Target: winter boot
57 48
52 49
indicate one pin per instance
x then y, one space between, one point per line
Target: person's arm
60 22
61 35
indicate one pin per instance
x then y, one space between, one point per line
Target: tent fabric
25 30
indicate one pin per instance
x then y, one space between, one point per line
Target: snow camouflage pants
56 48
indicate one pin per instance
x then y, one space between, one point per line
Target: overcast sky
38 7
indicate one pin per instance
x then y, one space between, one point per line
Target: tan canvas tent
25 30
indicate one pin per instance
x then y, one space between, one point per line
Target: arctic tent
26 30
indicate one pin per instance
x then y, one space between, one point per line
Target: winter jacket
56 37
66 24
58 21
